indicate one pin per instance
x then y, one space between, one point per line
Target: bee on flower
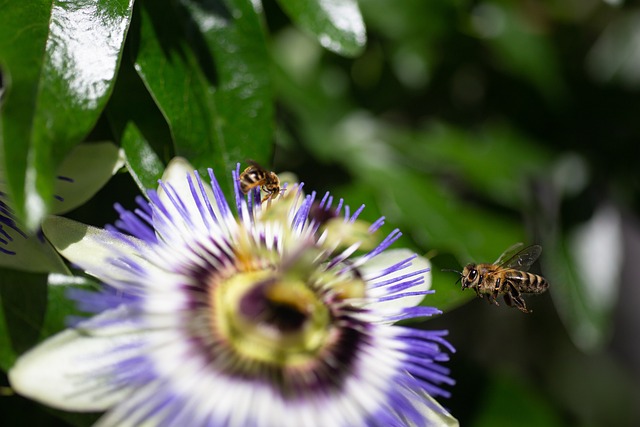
280 314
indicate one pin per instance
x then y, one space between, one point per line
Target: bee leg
268 196
491 298
507 299
515 299
496 292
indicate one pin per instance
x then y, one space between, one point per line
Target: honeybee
254 176
507 277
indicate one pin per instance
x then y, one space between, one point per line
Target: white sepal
84 171
90 247
31 253
64 371
436 415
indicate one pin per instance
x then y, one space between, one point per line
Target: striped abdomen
527 283
251 177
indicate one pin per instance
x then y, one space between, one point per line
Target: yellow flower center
272 319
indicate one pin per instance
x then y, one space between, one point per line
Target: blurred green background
470 125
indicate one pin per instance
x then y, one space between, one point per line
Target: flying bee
257 176
507 277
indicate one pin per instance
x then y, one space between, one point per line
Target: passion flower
282 314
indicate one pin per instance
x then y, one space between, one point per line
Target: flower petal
89 247
392 267
84 171
175 174
30 253
432 411
60 372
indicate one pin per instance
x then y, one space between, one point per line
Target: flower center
269 318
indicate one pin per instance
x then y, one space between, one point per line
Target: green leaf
205 66
140 127
243 95
337 24
143 163
58 61
438 221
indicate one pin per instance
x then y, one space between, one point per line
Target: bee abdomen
249 179
533 284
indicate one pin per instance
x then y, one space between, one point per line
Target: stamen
376 225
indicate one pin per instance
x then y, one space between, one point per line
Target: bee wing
518 258
509 253
256 165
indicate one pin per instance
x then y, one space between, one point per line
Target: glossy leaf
243 93
337 24
209 81
58 61
139 127
23 36
143 163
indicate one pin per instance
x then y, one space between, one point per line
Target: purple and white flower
282 314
